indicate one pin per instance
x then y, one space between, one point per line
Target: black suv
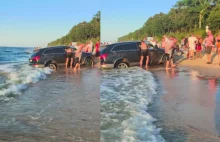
125 54
53 57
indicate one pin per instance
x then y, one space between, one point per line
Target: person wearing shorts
218 47
69 56
144 53
209 43
169 50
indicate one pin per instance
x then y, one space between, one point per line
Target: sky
120 17
32 23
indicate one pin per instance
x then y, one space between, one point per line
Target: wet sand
188 107
63 107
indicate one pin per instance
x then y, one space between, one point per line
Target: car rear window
125 47
102 49
131 46
54 51
35 53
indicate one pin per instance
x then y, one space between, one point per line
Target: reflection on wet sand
63 107
188 108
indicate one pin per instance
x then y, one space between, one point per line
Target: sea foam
18 77
125 96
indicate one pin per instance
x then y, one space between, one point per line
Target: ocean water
125 96
15 73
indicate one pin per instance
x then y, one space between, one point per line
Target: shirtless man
69 53
144 53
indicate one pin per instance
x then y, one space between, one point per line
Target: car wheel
52 66
122 65
88 62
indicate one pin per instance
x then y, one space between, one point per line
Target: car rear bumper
37 65
107 66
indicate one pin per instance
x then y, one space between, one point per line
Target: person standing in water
144 53
78 56
69 53
169 50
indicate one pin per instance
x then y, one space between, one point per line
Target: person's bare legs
172 64
141 61
209 58
76 66
167 64
147 61
71 63
67 60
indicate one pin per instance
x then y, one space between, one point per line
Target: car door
60 55
129 51
133 53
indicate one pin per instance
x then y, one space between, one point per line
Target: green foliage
81 33
184 18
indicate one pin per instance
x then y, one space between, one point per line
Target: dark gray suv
54 57
125 54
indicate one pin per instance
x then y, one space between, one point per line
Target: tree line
81 32
184 18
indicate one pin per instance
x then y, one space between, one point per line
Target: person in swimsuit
144 53
69 53
218 46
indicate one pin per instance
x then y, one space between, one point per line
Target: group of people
196 44
193 44
75 56
168 43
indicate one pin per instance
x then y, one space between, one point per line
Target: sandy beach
63 107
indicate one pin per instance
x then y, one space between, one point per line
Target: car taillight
103 56
36 58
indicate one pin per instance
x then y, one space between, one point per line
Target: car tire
89 62
52 66
122 65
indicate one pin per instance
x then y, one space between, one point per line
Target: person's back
170 44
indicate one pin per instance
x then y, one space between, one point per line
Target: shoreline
208 70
